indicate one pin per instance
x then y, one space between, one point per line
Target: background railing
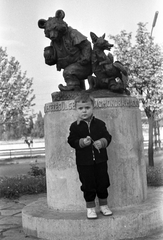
22 152
36 151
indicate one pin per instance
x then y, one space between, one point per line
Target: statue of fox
108 74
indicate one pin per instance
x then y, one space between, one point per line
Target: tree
145 61
31 124
38 130
1 131
16 127
16 93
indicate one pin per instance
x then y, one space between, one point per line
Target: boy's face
84 110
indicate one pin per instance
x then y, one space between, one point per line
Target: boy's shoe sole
91 218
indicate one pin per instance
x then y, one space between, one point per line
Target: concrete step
156 235
126 223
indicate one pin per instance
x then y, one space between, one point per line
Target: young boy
89 136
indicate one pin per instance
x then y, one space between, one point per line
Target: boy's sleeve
73 138
106 135
104 142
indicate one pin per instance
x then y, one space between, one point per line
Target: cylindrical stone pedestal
126 165
62 215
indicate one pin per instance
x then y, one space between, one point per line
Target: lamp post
154 21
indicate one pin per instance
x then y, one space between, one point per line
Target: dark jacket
87 155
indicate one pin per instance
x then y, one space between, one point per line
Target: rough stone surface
126 163
11 218
62 215
15 232
126 223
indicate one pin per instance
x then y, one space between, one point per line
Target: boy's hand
97 144
87 140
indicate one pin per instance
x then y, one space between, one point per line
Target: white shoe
105 210
91 213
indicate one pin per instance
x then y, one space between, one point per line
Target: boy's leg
103 182
87 178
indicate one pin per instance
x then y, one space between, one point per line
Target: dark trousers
95 181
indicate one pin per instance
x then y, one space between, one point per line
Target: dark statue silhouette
108 74
71 51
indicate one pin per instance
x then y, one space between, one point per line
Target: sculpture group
71 51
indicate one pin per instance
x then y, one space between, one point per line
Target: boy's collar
88 121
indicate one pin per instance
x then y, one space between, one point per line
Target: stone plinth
62 215
126 160
126 223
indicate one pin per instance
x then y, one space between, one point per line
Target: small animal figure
108 74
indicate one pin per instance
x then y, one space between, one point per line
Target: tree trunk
150 143
155 134
159 140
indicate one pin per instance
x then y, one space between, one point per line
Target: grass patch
15 187
32 183
155 176
35 181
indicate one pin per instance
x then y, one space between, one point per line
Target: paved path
11 219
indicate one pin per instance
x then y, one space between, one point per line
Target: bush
14 187
36 171
155 176
35 182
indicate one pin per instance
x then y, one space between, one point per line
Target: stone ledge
129 222
100 102
70 95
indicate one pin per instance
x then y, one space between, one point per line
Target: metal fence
22 152
37 151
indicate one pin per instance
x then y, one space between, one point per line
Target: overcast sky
20 34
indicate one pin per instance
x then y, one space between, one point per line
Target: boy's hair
84 97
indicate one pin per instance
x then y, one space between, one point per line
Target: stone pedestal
63 215
126 164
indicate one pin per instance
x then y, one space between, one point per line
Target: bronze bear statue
69 50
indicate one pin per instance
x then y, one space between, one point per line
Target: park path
11 217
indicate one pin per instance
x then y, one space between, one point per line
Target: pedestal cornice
64 101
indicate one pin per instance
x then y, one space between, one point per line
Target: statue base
126 163
63 215
126 223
